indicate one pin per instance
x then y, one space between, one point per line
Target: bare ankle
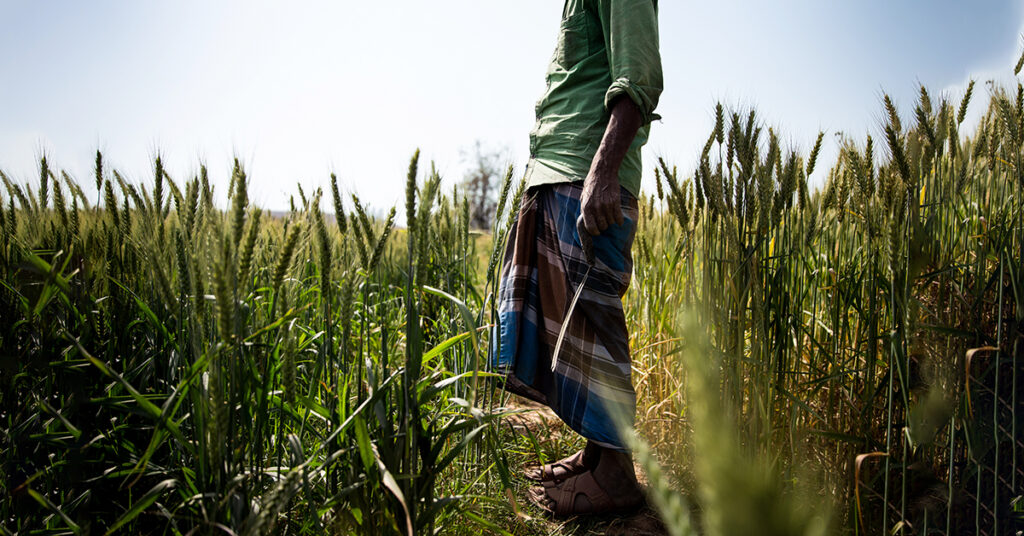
591 455
615 467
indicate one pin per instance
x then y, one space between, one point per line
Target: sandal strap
566 499
549 470
569 468
583 484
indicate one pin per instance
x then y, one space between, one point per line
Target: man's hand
600 202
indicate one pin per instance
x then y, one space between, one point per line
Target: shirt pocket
572 40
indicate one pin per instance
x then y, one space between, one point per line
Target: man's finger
590 224
617 214
613 213
601 220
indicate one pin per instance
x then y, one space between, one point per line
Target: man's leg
593 391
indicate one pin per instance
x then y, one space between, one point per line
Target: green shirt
606 49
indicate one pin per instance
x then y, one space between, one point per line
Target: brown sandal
556 472
566 493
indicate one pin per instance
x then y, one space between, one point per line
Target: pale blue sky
300 89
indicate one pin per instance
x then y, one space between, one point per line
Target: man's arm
630 29
601 198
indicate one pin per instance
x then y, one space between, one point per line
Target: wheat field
835 360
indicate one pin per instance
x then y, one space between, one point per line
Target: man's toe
537 494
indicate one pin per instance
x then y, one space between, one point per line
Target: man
604 82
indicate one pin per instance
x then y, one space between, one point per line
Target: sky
298 90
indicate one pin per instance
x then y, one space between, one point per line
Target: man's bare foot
575 464
611 487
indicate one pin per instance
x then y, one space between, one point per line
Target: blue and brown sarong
544 264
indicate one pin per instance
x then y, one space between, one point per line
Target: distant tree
482 182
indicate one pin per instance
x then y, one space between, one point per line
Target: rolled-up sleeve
631 39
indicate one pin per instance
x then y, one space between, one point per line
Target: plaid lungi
544 264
